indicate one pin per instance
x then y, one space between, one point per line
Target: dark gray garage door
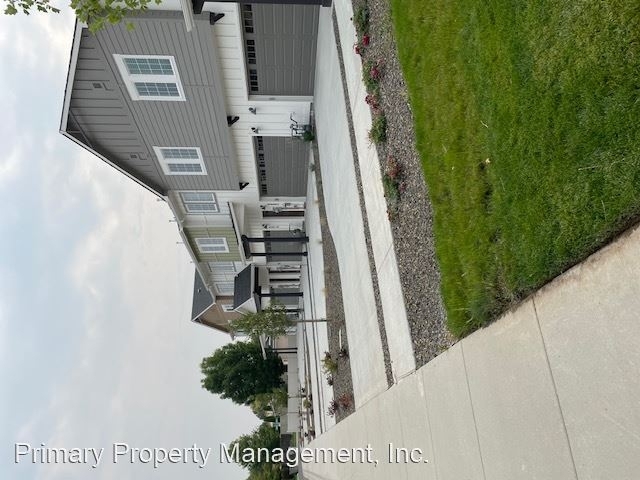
283 165
280 43
277 247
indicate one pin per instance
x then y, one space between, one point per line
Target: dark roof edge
214 327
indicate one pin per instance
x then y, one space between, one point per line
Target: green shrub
307 136
391 190
329 365
361 19
371 77
378 132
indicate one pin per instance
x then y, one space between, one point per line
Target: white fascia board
73 60
187 12
185 240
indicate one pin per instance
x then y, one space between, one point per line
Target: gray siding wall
118 127
285 37
286 166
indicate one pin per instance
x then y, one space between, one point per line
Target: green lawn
527 117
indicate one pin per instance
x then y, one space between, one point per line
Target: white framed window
180 160
150 77
224 288
227 307
213 245
199 202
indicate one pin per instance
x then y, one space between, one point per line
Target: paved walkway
345 216
550 391
395 315
345 221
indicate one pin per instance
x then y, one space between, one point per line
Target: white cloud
11 164
21 40
3 327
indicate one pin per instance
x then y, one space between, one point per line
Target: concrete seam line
555 388
473 412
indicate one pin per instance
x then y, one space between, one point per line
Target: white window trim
185 203
201 245
164 161
130 79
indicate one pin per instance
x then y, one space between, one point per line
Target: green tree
27 6
276 400
95 13
238 371
271 321
265 436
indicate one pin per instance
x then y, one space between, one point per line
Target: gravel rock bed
342 380
412 222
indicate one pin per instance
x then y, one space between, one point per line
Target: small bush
393 169
345 400
308 136
333 408
391 190
374 103
371 77
329 365
361 20
392 180
378 132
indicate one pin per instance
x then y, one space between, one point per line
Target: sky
96 345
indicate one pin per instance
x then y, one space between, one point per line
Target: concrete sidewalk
349 223
345 220
391 295
549 391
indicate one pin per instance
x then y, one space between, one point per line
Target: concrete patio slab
455 442
590 321
518 418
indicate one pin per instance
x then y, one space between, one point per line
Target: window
253 80
247 17
227 307
181 160
150 77
224 288
222 267
212 245
199 202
